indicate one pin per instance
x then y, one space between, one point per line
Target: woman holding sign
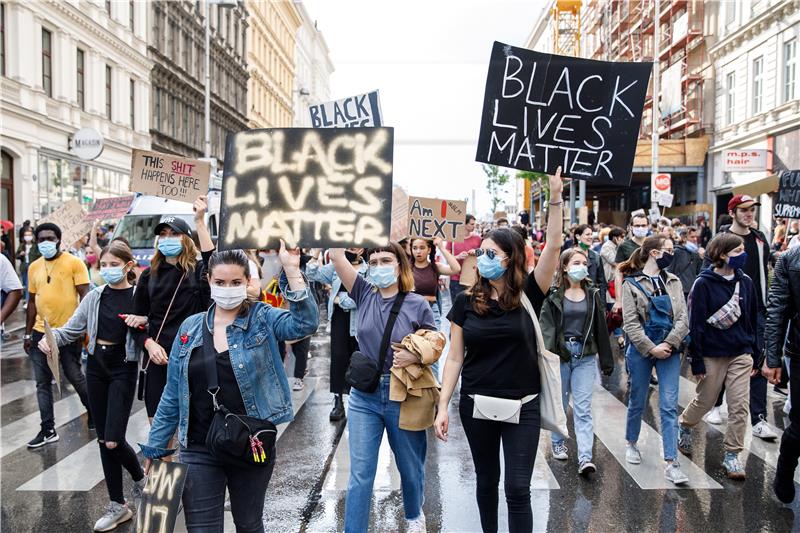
494 349
427 271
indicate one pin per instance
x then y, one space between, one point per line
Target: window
47 62
131 12
789 69
157 102
758 83
81 95
2 39
185 132
172 111
186 52
108 92
730 97
730 13
133 104
108 6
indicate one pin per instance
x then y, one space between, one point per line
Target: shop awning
758 187
688 210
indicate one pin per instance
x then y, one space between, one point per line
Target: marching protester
169 292
388 311
574 327
583 239
27 253
462 250
10 290
608 254
724 348
493 348
57 282
639 229
656 322
427 271
225 368
687 262
343 321
111 371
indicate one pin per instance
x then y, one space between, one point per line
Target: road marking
18 433
650 473
16 390
298 399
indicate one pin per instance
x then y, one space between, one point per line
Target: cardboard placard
665 199
316 188
500 214
169 176
788 202
469 271
110 208
542 111
71 218
399 229
52 359
360 111
161 497
430 218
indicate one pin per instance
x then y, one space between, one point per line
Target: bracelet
560 202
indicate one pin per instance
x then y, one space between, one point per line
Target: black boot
337 413
784 478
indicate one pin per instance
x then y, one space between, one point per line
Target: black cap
177 224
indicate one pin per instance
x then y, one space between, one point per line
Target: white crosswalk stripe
16 434
16 390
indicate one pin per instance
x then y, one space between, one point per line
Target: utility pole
656 112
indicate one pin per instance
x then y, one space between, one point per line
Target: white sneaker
632 454
417 525
763 431
714 416
675 474
115 515
560 451
297 384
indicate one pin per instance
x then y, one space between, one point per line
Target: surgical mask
112 275
48 249
664 261
170 246
91 259
27 238
692 247
490 268
640 233
229 297
577 272
383 276
737 261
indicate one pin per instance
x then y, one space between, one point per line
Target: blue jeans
668 372
437 318
578 377
368 415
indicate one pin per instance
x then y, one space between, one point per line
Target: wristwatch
26 337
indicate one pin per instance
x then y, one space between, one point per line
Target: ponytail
638 258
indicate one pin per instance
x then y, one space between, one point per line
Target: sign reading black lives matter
542 111
788 203
360 111
318 188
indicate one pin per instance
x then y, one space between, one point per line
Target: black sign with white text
788 202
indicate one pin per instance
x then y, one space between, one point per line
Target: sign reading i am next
542 111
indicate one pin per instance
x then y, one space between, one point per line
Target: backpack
659 314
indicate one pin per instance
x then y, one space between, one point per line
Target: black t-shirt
500 349
201 407
113 302
751 267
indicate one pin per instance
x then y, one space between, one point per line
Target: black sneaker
337 413
43 437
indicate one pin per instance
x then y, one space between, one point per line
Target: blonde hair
187 259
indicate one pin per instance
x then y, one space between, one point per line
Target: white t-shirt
8 278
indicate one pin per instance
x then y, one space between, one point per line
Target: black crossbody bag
236 440
364 374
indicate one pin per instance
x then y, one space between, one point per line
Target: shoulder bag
727 315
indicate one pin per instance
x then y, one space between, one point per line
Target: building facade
65 66
313 69
176 46
271 35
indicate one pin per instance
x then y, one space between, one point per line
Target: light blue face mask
170 246
48 249
383 276
490 268
577 272
112 275
692 247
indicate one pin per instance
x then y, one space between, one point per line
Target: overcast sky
429 60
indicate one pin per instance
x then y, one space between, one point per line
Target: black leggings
520 442
111 384
342 346
300 350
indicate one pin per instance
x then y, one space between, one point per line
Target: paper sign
362 111
71 218
655 215
665 199
788 203
169 176
110 208
430 218
316 188
52 359
161 497
469 271
399 229
500 214
542 111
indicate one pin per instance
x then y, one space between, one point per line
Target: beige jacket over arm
634 312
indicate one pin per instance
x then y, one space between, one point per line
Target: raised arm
548 260
203 235
452 267
343 268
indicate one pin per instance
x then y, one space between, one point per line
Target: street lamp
220 4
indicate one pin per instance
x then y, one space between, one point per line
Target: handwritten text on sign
542 111
788 203
71 218
110 208
363 110
318 188
169 176
161 498
430 218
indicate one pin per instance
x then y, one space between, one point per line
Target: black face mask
351 256
664 261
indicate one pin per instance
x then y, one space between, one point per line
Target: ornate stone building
313 69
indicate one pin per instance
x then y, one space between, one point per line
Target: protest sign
319 188
71 218
788 202
500 214
665 199
52 359
430 218
399 229
542 111
169 176
161 497
362 111
469 271
109 208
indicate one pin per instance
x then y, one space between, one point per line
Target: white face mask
228 297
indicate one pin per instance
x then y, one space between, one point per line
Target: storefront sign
87 143
168 176
362 111
161 497
744 160
542 111
788 202
71 218
319 188
430 218
110 208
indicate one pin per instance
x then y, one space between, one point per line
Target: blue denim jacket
327 274
255 359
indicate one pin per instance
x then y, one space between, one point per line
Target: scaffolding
567 27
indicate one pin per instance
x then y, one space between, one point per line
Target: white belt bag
498 409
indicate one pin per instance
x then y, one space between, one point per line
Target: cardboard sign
500 214
542 111
316 188
169 176
665 199
788 203
161 497
469 271
430 218
399 229
71 218
110 208
362 111
52 359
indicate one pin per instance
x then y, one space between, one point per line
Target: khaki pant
734 373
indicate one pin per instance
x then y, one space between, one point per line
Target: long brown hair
638 258
121 251
187 258
723 243
236 257
566 257
511 243
405 278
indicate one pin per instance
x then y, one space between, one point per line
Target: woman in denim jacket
252 381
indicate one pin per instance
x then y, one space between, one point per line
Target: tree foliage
495 180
